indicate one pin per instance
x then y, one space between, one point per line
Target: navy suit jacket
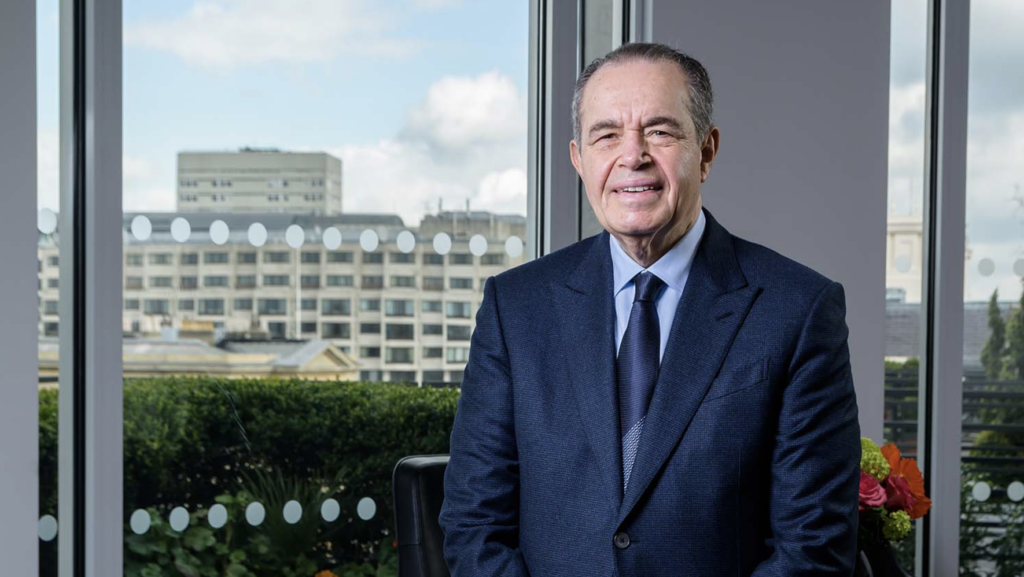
749 459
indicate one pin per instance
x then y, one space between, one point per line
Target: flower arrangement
891 493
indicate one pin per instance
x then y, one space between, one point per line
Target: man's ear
708 151
574 156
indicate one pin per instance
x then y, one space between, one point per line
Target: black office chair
418 490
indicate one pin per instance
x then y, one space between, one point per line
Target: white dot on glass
903 263
330 510
478 245
332 238
180 229
442 243
986 267
47 527
219 232
255 513
292 512
1015 491
981 491
368 240
257 234
366 508
218 516
46 221
178 519
294 236
406 241
141 227
514 246
140 522
1018 267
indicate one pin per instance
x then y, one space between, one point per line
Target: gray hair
701 98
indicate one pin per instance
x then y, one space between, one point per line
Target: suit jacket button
621 540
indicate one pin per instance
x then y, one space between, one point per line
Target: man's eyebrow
663 121
603 125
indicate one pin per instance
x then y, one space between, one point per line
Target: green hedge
195 441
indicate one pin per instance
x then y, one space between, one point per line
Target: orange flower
907 468
325 574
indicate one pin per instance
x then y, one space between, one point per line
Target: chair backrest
418 487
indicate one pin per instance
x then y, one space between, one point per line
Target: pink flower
871 492
898 494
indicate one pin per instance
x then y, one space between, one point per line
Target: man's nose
634 150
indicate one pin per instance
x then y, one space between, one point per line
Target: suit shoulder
767 268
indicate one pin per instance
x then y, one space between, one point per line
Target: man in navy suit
663 398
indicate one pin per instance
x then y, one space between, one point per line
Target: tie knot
647 286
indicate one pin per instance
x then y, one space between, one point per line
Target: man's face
638 154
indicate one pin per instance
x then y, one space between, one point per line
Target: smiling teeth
637 188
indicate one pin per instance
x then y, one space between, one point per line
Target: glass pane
992 495
305 190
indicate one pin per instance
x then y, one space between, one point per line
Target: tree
1014 367
992 356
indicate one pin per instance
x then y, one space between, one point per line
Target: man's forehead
636 88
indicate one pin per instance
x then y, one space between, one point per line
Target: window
431 258
372 375
369 352
432 306
456 377
275 280
309 327
460 283
54 260
401 258
310 281
243 304
277 330
403 281
339 280
130 259
399 308
336 307
493 259
459 332
156 306
398 355
308 304
51 307
401 332
215 258
215 281
245 281
433 283
272 306
433 376
460 258
133 282
50 330
458 354
459 310
433 330
161 258
336 331
369 305
277 257
403 376
339 256
188 282
372 282
186 304
373 258
310 257
246 258
189 258
369 328
161 282
52 283
211 306
433 353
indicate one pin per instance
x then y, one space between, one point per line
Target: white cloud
148 186
226 33
48 169
502 192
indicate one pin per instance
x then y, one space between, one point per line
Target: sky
425 101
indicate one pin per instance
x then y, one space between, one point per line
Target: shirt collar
673 267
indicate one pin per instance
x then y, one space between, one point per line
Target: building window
493 259
369 352
50 329
54 260
402 258
277 330
133 283
277 257
398 355
188 282
459 332
433 353
245 281
272 306
373 282
309 327
400 332
308 304
433 283
373 258
336 331
459 310
433 376
243 304
246 258
433 329
53 283
311 258
431 258
460 258
458 355
161 258
403 281
336 307
156 306
460 283
186 305
161 282
51 307
189 258
432 306
369 305
372 376
131 259
211 306
339 280
369 328
344 256
310 281
215 258
403 376
399 308
275 280
215 281
456 377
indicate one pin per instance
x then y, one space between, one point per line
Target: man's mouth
638 188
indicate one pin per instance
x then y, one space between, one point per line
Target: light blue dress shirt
673 268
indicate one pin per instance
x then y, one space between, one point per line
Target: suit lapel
714 303
587 324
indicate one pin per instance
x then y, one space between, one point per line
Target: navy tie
637 366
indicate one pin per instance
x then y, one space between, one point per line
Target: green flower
896 525
872 461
